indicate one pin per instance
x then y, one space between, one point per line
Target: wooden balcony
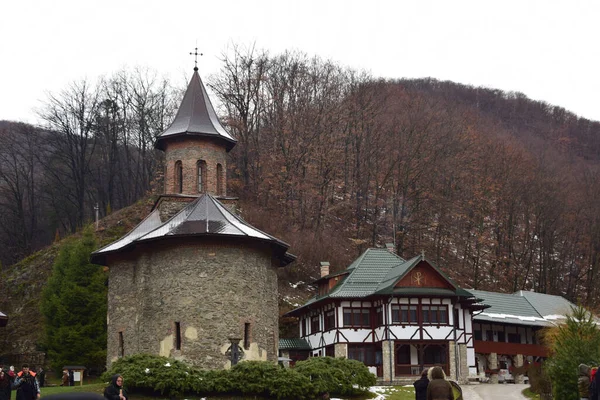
485 347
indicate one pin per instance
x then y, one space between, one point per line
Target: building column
518 364
452 361
464 365
493 365
340 350
388 353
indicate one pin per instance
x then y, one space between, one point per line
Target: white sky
549 50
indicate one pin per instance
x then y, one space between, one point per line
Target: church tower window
247 335
219 180
121 349
201 175
177 336
179 177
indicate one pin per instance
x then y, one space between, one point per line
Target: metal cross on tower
196 54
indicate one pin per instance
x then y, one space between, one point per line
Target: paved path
508 391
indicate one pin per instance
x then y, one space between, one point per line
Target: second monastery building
401 316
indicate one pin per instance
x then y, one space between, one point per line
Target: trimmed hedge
309 379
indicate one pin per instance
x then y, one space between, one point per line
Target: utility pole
97 209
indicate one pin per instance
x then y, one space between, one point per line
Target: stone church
193 277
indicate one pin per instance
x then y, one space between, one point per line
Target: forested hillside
500 191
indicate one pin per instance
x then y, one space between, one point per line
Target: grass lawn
530 395
392 392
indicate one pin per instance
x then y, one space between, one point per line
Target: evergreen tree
576 342
74 307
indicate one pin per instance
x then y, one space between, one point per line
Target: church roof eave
204 217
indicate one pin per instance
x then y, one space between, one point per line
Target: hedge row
308 380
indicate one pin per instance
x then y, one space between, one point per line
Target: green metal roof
366 273
547 305
522 307
376 272
293 344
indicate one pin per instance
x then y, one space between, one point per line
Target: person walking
65 378
5 384
115 390
583 382
27 385
421 386
41 374
439 388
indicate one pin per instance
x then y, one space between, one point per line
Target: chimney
390 247
324 268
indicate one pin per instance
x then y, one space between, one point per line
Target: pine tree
74 307
576 342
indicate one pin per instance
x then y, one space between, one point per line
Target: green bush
147 373
337 376
161 375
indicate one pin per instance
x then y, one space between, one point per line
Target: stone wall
212 288
189 150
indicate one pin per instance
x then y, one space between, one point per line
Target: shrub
336 376
147 373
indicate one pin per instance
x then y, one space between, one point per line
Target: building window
404 314
329 320
434 315
201 175
247 335
365 353
379 312
301 322
314 324
121 349
357 317
220 186
514 338
330 351
177 336
477 335
179 177
501 337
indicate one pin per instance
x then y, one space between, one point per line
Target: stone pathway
508 391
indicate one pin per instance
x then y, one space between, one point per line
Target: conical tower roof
196 117
205 216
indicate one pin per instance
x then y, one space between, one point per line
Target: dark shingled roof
196 117
205 216
293 344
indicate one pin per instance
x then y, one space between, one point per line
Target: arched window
219 180
201 175
179 177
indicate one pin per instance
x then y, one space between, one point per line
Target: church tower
193 280
195 146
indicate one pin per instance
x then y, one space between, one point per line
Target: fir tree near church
74 307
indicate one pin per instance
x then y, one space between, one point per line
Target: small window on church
121 350
220 188
247 335
177 336
201 175
179 177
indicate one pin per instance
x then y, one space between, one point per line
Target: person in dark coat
115 390
71 378
421 386
594 391
27 385
439 388
5 384
41 375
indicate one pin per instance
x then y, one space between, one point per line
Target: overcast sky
549 50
